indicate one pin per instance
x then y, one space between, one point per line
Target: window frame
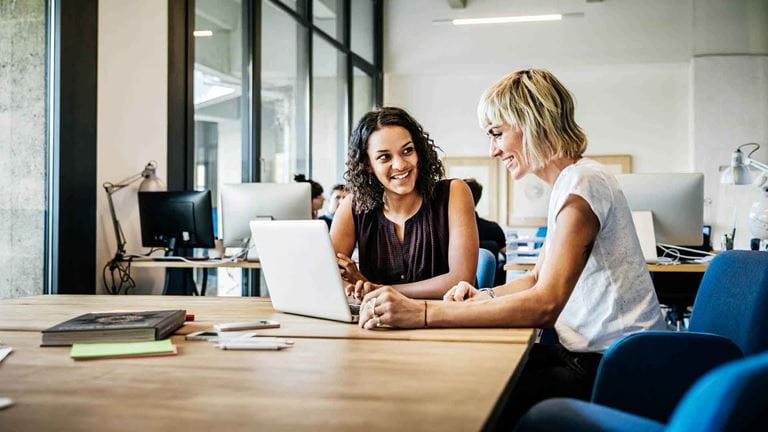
181 49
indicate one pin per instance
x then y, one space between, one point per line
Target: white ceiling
610 32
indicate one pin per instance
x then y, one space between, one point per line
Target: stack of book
115 327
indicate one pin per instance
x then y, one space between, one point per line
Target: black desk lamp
150 183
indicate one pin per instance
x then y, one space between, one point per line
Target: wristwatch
491 293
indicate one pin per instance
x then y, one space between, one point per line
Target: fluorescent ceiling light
509 19
202 33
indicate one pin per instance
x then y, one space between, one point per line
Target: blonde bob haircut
534 101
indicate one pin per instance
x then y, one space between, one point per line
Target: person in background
317 193
590 282
338 193
490 234
415 231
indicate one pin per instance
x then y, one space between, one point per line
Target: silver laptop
300 268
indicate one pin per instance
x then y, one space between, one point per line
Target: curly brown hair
367 190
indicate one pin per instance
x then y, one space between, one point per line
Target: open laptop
300 268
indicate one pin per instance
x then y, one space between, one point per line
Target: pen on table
242 345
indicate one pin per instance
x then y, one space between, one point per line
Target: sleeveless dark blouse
424 251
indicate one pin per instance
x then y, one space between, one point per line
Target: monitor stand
179 281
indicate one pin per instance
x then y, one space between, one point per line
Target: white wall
730 100
640 110
628 63
132 118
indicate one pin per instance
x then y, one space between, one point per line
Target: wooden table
653 268
336 377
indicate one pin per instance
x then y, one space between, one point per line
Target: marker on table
255 344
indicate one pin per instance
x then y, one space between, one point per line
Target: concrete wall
132 119
22 146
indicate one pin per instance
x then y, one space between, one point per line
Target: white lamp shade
152 184
738 172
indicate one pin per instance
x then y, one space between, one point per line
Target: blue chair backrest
732 397
733 300
486 269
540 232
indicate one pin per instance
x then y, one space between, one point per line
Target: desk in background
336 377
203 264
195 264
653 268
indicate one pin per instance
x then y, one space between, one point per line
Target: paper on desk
100 350
4 351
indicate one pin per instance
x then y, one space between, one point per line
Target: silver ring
378 321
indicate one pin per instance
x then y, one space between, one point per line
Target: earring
369 179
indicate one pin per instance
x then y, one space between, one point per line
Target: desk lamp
150 183
739 173
121 274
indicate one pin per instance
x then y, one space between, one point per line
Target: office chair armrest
647 373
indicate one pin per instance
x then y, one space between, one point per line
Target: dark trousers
551 371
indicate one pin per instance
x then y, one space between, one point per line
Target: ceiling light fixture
508 19
202 33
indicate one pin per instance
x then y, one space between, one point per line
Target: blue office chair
486 269
647 373
731 397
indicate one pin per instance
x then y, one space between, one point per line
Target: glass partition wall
317 67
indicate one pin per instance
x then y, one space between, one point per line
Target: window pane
23 149
328 118
361 27
290 3
284 136
218 100
362 94
327 15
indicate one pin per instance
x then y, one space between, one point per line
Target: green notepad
126 349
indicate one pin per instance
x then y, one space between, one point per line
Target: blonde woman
590 282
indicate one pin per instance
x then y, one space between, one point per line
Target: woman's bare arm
463 247
541 304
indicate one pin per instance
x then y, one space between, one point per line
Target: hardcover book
115 327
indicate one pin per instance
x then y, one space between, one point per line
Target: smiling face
507 145
393 159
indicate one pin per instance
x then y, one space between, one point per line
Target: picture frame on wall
617 164
528 198
485 171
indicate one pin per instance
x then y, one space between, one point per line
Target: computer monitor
244 202
675 200
176 219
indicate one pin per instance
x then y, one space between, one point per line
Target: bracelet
425 314
491 293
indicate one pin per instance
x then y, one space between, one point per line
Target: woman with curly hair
414 230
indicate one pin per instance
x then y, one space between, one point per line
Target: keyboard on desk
178 258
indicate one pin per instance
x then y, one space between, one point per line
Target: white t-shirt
614 295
